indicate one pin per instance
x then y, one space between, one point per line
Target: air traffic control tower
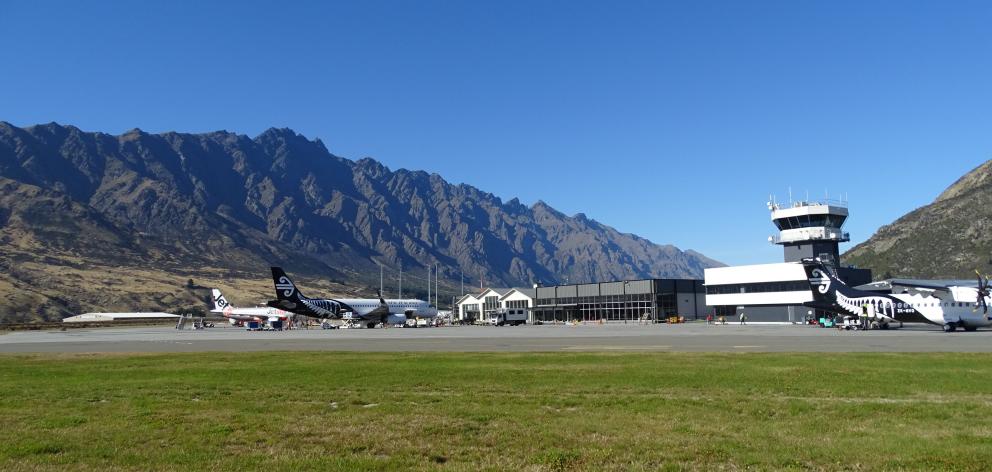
776 292
810 229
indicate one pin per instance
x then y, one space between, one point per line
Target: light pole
624 298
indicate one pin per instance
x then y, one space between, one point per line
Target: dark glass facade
787 286
652 300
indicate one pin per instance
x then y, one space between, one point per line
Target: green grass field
615 411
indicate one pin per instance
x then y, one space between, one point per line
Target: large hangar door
686 298
666 304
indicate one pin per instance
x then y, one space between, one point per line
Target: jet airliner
369 311
239 315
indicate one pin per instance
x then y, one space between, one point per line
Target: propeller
983 292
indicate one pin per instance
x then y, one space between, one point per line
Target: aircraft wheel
970 328
371 325
949 327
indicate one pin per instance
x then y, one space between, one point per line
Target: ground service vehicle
512 317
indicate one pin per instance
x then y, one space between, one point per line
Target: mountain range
947 239
138 221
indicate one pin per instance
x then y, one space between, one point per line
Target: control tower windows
810 221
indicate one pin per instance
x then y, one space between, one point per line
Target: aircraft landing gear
370 325
950 327
971 328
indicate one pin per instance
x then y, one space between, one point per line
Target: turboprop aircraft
951 306
369 311
237 316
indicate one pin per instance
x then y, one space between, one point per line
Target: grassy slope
292 411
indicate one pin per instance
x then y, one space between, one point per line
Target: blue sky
671 120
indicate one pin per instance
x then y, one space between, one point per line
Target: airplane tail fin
822 281
285 288
220 303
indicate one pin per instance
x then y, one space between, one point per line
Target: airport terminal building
763 292
623 301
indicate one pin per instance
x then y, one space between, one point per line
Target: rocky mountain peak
947 239
977 178
173 203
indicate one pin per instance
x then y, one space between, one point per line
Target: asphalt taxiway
690 337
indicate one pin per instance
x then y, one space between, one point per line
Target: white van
512 317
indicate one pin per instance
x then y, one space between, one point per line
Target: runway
692 337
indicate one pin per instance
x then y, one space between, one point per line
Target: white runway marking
614 348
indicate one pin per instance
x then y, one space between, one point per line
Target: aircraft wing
943 285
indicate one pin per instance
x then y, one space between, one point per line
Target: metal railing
839 236
811 202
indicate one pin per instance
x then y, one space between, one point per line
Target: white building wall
518 296
468 300
761 298
781 272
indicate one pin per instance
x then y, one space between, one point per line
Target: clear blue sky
670 120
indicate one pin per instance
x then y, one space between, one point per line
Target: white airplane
238 316
949 306
370 311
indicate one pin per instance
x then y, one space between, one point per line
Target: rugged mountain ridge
223 205
948 238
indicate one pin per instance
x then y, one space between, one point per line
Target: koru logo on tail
820 280
286 286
